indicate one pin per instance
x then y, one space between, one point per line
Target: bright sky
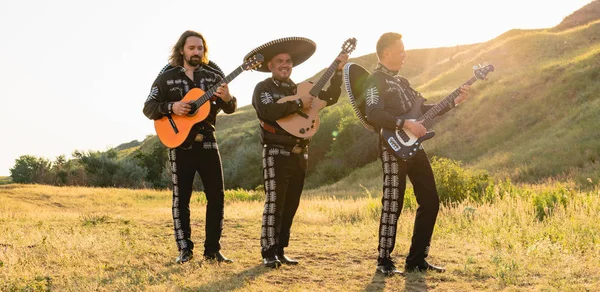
76 73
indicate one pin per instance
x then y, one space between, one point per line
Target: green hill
585 15
534 119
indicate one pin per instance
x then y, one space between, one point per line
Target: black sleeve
156 105
375 105
228 107
266 107
334 90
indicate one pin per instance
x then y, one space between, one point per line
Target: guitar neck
208 94
428 117
323 80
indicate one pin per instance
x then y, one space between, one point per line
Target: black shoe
184 256
424 267
286 261
389 270
217 256
271 262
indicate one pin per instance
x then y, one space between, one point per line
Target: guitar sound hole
193 110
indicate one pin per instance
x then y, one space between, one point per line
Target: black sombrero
354 79
299 48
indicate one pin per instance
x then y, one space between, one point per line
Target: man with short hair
284 155
389 96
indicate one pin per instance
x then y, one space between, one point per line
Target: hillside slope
535 118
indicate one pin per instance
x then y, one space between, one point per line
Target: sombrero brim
354 80
299 48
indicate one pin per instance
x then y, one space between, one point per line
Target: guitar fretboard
323 80
428 117
208 94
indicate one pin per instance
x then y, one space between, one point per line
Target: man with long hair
189 68
389 96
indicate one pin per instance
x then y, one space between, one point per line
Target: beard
194 61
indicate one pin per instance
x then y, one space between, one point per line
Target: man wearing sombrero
284 155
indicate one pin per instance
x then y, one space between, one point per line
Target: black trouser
204 158
284 174
420 174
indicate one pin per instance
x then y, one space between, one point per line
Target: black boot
217 256
184 256
425 266
271 262
387 267
285 260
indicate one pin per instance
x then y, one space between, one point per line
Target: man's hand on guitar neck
223 92
343 60
416 128
464 94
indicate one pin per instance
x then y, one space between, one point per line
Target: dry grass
81 239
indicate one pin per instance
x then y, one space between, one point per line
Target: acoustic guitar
304 124
172 130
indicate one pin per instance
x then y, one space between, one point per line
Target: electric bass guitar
404 143
172 130
304 124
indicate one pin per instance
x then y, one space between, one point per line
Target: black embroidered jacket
265 97
388 96
172 84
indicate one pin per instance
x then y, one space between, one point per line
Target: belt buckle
199 138
297 150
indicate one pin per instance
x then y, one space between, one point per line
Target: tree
29 169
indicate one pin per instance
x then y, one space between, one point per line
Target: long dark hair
176 58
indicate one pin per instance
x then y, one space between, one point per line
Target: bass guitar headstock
481 72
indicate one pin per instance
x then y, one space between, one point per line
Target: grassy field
81 239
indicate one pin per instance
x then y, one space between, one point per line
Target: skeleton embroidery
266 98
153 93
372 96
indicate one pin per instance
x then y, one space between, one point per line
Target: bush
455 184
547 201
104 169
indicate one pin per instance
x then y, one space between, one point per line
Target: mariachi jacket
172 84
389 96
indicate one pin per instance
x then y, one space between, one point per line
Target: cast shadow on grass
235 281
412 282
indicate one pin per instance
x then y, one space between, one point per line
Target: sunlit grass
74 239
